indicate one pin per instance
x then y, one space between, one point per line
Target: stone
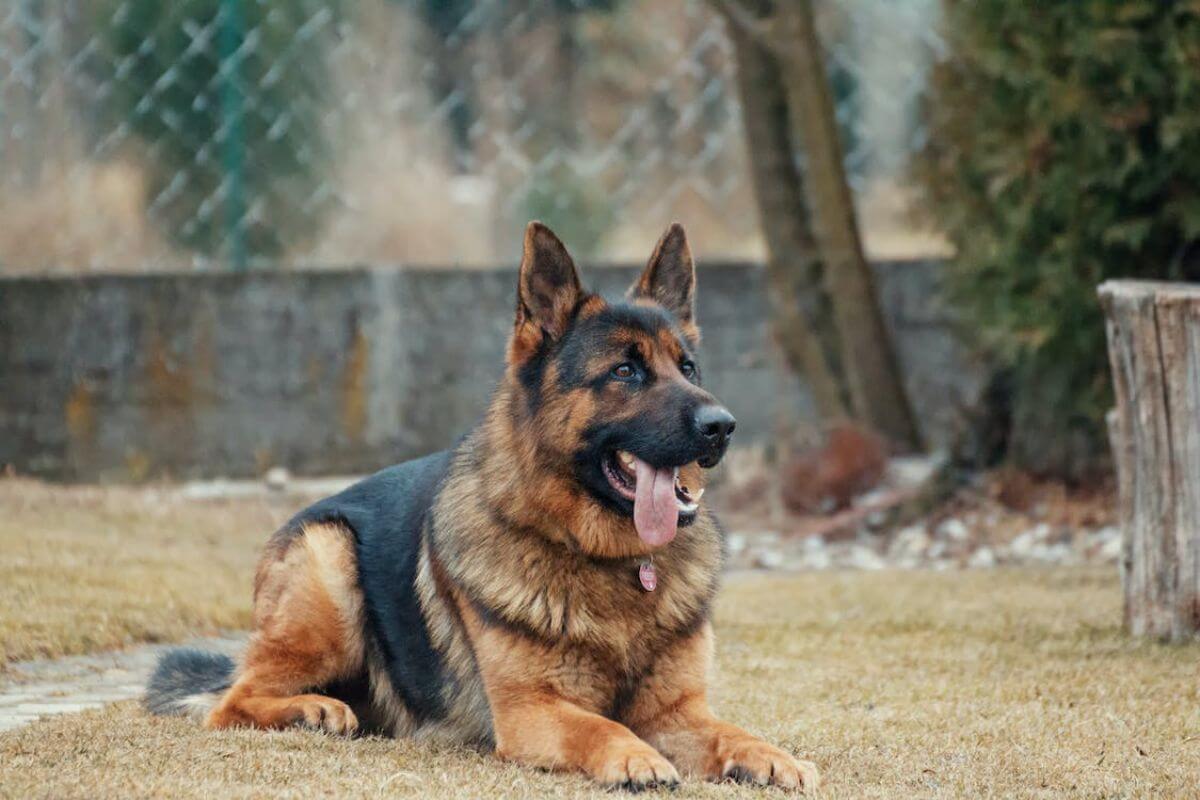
983 558
736 543
954 530
1021 548
219 489
913 471
861 557
1057 553
874 497
1064 553
1105 544
277 478
1110 551
816 560
815 554
767 558
910 542
877 519
1041 532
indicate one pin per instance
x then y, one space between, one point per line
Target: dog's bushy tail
188 682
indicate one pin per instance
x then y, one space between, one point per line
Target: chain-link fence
142 134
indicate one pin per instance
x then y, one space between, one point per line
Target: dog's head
611 391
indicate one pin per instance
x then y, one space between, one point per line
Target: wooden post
1154 348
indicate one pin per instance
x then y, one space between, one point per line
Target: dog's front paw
634 766
324 714
753 761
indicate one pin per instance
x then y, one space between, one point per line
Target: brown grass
80 216
89 569
970 684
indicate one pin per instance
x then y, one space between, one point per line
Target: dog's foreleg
553 733
671 712
545 716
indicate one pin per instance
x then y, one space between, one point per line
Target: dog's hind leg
308 623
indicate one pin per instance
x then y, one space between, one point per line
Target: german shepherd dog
544 589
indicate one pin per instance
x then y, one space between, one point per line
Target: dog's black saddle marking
386 513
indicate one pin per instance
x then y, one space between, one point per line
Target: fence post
1154 348
231 37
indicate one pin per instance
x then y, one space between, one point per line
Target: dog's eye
624 371
688 369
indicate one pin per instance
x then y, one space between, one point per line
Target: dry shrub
404 211
1056 502
81 217
850 461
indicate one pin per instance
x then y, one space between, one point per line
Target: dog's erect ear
548 288
670 277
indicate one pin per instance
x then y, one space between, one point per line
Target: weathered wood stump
1154 347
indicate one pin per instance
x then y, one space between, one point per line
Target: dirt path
66 685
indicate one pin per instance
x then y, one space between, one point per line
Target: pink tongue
655 514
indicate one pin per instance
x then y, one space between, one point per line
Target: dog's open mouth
659 500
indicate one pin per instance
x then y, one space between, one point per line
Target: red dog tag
648 576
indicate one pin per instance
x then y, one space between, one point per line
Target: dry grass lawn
972 684
84 569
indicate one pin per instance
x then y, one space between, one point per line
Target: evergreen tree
1063 150
227 96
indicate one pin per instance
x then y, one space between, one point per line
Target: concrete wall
200 375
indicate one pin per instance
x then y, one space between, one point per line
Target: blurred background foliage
143 135
230 99
1045 147
1063 150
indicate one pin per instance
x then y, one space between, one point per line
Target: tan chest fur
586 623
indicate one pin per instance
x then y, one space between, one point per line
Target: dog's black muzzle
713 426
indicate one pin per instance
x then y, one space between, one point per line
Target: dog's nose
715 424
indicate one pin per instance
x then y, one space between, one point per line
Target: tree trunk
800 308
868 360
1154 348
1122 458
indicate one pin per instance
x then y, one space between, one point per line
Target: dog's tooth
626 457
699 493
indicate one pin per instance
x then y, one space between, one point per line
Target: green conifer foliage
1063 150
